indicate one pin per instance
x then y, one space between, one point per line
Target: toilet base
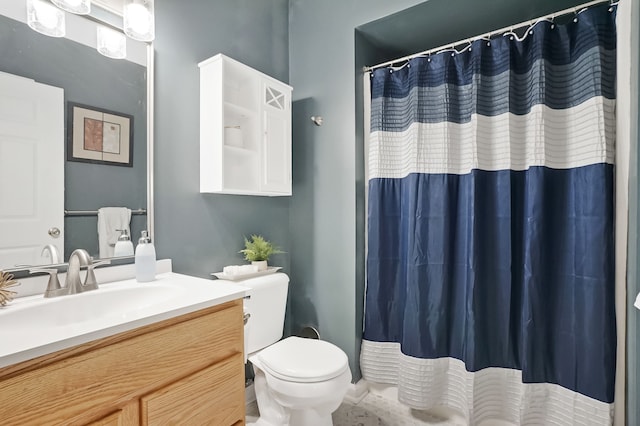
260 422
298 418
302 418
309 417
298 404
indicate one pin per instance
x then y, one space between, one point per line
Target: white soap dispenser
124 246
145 259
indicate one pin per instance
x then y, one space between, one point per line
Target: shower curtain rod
531 22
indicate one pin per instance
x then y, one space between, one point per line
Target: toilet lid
297 359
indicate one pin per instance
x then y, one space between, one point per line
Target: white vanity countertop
34 326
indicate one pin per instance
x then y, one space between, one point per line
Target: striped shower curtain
490 266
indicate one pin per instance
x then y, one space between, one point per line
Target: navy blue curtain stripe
558 87
561 45
539 297
509 268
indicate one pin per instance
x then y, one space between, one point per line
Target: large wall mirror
87 78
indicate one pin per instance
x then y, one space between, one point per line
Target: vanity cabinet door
208 397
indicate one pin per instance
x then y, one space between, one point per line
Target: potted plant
257 250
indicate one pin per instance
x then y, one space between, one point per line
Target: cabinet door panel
276 140
208 397
276 159
127 416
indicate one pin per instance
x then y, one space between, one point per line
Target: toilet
298 381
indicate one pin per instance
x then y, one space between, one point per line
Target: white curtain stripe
559 139
486 395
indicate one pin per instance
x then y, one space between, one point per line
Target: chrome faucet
79 259
51 251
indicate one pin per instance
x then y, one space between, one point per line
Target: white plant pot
261 264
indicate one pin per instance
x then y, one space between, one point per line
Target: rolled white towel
232 270
248 269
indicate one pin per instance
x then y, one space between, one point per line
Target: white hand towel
110 219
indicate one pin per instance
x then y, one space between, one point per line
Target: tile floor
378 410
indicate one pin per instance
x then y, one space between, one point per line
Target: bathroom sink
109 302
34 326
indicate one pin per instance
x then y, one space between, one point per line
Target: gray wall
91 79
323 207
203 232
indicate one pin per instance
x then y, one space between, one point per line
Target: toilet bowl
298 381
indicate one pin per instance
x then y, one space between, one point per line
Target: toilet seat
303 360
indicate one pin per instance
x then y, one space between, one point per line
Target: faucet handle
90 283
53 286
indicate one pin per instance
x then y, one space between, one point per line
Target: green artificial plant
258 249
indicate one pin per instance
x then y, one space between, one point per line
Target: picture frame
100 136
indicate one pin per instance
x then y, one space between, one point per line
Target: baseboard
357 391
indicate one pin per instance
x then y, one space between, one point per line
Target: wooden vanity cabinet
187 370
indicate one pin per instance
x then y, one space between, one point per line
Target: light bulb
111 43
79 7
45 18
139 20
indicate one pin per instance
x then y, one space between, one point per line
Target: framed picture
100 136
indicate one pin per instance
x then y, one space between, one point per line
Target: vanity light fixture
139 21
45 18
111 43
79 7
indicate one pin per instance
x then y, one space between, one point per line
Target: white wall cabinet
245 130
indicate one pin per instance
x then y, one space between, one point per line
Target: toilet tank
266 304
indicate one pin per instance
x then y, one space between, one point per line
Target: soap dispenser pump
124 246
145 259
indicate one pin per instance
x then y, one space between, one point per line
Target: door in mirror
31 170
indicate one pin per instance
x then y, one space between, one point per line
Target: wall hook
317 120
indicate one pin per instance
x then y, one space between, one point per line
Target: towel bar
95 212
